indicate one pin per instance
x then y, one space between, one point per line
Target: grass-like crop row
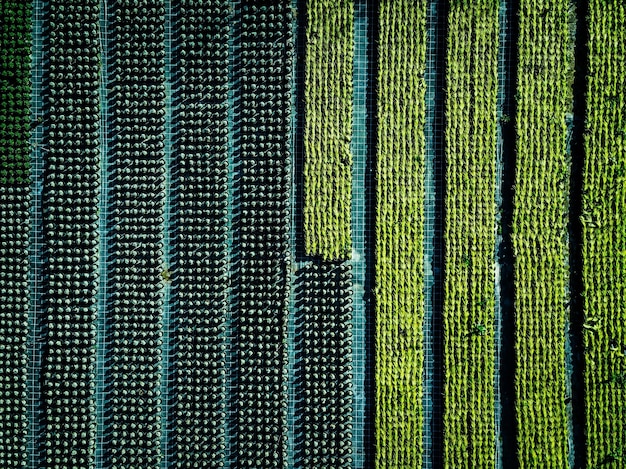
399 233
199 272
604 236
261 277
539 232
71 191
15 38
135 290
328 128
470 235
324 371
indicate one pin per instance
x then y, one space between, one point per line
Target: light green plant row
470 235
604 236
328 128
399 233
539 232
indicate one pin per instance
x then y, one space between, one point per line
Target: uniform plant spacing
539 233
604 236
470 235
70 198
324 374
136 286
15 87
15 91
262 233
199 269
399 281
328 128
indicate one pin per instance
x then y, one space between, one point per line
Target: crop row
539 233
15 24
604 236
324 371
14 330
469 234
328 128
399 233
200 266
137 188
71 190
15 40
262 230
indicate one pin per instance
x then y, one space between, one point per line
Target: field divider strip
434 215
362 84
35 246
167 322
103 255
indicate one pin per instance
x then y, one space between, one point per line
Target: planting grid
364 13
364 85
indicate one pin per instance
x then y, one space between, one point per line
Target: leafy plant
478 329
469 283
328 128
399 233
539 229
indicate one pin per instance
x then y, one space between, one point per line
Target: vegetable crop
262 228
399 233
324 374
539 231
135 306
70 226
199 274
470 235
15 88
604 236
328 128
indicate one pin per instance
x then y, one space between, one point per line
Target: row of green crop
328 128
15 92
539 232
15 40
604 236
470 232
399 233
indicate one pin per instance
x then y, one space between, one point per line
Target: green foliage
539 232
604 235
399 233
328 128
469 284
15 39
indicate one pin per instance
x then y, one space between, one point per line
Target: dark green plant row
137 187
71 188
199 270
14 326
324 371
15 92
15 87
261 277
